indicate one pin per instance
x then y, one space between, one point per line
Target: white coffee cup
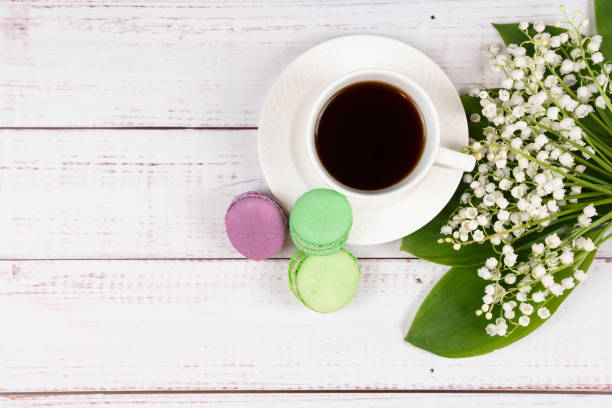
433 153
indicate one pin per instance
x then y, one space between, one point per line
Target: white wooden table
126 129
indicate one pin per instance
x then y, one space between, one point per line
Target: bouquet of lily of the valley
524 226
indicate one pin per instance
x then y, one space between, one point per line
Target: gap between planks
607 259
370 391
128 128
307 400
311 392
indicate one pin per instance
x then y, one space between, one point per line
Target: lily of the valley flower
538 166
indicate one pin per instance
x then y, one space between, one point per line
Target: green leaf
446 324
601 132
603 19
512 34
423 243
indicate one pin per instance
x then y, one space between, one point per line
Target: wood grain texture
225 323
130 194
309 400
234 325
192 63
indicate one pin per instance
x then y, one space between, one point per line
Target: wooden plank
126 193
129 193
234 325
191 63
348 400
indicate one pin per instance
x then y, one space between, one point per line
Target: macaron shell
320 221
256 225
263 196
294 266
327 283
318 250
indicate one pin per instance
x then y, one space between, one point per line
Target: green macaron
320 221
325 283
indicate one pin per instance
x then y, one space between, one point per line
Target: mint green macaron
325 283
320 221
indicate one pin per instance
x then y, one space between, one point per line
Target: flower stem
598 187
573 209
583 195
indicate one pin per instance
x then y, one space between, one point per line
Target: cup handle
455 160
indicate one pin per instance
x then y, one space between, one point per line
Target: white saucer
282 143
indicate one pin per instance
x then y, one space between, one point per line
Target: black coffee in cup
369 136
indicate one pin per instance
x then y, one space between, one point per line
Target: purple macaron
256 225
